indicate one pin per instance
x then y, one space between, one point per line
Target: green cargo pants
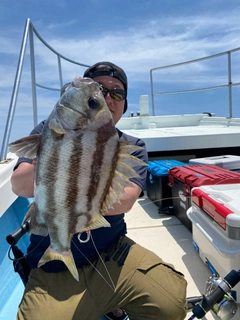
144 285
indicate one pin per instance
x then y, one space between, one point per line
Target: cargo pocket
164 278
149 261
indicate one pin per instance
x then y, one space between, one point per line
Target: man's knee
161 288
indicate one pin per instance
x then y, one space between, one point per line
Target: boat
175 137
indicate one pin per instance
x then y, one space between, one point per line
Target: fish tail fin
67 258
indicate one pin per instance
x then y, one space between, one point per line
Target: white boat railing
229 83
29 31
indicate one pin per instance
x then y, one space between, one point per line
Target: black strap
20 264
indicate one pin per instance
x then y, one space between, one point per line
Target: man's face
116 107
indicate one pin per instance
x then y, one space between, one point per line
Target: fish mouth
68 106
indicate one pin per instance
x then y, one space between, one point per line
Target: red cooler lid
199 175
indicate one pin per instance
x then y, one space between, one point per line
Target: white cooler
222 204
229 162
210 239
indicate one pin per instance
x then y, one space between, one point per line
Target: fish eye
93 103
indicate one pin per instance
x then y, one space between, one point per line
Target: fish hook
87 239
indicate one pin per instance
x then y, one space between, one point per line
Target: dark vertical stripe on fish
72 192
104 134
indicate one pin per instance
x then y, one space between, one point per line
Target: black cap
108 69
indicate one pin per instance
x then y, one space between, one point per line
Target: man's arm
24 173
23 179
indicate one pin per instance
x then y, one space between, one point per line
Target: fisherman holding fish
84 174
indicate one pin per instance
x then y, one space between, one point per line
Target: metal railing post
152 95
229 85
13 101
33 76
60 71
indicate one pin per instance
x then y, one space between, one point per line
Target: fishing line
112 286
151 201
105 267
188 196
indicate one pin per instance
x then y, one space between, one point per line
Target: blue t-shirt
102 237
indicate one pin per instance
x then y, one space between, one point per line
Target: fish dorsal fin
127 148
123 172
97 223
26 147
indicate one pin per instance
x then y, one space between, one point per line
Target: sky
137 35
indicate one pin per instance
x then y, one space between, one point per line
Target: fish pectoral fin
30 212
26 147
56 128
65 257
97 223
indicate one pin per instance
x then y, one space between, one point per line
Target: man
145 286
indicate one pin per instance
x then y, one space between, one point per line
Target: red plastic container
183 179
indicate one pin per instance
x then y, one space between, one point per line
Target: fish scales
82 169
50 193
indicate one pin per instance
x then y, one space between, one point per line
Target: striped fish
82 169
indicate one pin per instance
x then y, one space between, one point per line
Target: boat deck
172 241
185 132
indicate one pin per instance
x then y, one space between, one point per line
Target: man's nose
108 99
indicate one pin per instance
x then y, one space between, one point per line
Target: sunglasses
116 93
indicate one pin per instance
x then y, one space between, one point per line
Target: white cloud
154 43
